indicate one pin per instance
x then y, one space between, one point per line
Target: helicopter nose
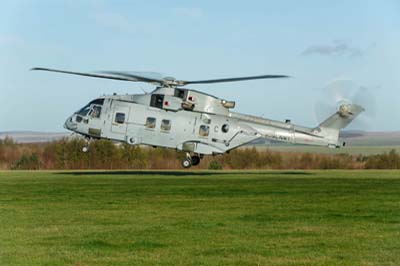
70 124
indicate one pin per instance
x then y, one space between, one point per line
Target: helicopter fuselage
185 120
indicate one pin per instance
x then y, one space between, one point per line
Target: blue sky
313 41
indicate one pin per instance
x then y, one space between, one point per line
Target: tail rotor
338 95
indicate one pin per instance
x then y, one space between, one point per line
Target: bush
389 160
214 165
104 154
27 162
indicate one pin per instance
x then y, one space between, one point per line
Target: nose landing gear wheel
85 147
187 163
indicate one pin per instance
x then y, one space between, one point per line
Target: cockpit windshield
94 107
84 111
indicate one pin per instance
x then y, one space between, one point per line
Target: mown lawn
200 218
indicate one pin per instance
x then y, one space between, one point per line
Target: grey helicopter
197 123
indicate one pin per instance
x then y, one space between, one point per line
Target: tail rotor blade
345 91
323 110
364 97
340 89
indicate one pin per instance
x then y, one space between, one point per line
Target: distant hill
33 136
363 138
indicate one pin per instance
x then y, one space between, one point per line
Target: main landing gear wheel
187 163
195 160
190 161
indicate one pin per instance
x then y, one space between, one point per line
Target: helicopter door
120 119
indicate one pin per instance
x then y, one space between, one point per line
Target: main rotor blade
87 74
136 76
233 79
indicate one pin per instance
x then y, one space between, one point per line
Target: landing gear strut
85 148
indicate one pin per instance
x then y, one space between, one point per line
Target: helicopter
174 116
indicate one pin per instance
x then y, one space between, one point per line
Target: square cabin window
119 118
165 125
150 122
204 131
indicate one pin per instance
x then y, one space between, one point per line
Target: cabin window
166 125
204 131
179 93
150 122
157 100
119 118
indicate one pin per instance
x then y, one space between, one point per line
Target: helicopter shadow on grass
181 173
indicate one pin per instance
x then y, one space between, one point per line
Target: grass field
200 218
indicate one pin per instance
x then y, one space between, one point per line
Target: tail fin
331 127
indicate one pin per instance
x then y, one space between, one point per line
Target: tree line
103 154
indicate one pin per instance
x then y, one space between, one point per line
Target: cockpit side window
96 111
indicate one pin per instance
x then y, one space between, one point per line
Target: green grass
200 218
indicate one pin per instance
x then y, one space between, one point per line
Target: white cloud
335 48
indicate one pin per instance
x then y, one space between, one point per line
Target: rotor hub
344 109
